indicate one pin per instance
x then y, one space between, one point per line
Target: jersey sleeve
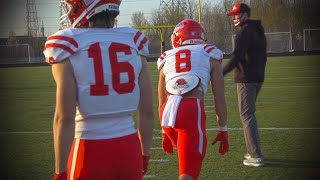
60 46
141 42
161 61
213 52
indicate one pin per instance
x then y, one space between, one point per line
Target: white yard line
159 160
156 148
27 132
264 102
276 87
159 131
294 67
231 81
306 77
148 176
270 128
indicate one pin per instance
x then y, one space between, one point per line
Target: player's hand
145 163
166 144
61 176
222 136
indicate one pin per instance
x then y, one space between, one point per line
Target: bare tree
276 15
138 19
12 39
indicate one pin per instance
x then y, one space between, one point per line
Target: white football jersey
189 59
106 64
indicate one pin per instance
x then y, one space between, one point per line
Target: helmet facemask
78 12
64 20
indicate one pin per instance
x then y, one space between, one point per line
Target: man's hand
222 136
61 176
145 163
166 144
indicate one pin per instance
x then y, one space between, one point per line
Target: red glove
166 144
145 163
61 176
224 144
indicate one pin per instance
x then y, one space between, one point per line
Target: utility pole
42 30
33 30
32 19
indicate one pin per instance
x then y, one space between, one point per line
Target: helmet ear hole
76 9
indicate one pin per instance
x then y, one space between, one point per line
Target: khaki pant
247 95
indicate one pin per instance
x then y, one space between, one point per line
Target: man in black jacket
248 61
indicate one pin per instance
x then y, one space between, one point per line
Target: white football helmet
78 12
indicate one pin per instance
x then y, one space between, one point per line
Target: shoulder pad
60 46
161 61
213 52
141 42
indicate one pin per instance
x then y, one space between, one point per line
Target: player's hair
104 16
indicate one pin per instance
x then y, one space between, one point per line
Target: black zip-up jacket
249 56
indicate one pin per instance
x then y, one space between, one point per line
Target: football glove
222 136
61 176
145 163
166 144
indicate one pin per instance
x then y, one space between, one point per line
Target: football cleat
257 162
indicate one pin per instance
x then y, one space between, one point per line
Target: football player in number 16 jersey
100 73
185 73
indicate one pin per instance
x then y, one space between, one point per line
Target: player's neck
101 24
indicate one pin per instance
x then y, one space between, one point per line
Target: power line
32 19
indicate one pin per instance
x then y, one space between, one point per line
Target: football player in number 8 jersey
100 74
185 73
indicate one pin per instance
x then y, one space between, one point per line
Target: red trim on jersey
210 49
50 60
62 46
144 40
208 45
64 38
162 56
136 37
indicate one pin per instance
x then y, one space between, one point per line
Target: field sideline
287 112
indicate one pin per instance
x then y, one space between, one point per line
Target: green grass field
287 110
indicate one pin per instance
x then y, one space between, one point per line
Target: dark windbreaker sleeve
241 46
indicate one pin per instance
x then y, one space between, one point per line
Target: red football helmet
77 12
187 31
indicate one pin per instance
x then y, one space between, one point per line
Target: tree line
276 16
